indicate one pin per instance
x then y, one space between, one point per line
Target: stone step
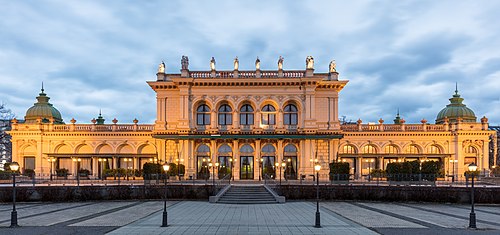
247 195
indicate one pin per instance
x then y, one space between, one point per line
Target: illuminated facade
248 121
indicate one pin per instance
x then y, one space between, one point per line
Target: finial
42 87
398 112
456 88
99 112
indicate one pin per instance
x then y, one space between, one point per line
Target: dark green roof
44 110
456 109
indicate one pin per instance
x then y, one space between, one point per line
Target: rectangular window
29 163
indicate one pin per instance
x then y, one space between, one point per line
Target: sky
98 55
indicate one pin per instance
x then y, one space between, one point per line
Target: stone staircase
247 195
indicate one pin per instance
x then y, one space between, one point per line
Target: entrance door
246 168
268 169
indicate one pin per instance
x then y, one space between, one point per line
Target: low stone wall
121 192
390 193
291 192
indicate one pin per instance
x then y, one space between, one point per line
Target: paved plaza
199 217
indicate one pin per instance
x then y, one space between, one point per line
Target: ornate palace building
253 122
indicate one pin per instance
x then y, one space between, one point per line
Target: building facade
253 124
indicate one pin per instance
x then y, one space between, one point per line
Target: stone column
359 165
236 160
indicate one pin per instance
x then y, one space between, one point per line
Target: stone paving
199 217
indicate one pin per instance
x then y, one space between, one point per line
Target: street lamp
77 161
277 166
283 164
317 167
453 166
217 167
102 160
261 161
164 223
51 162
213 173
472 217
14 167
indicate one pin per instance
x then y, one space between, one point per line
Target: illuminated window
348 149
369 149
433 149
412 149
390 149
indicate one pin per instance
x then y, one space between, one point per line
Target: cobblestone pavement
197 217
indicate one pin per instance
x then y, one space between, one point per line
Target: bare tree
6 115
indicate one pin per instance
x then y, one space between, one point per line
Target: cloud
98 54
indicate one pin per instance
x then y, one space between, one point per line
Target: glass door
246 168
268 168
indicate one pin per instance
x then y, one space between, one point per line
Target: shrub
496 171
84 172
29 172
62 172
339 171
377 173
151 170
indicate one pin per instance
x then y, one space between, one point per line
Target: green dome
44 110
456 110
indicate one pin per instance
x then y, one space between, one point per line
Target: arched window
225 150
390 149
203 150
225 115
290 149
246 115
246 149
268 148
203 115
349 149
369 149
470 150
290 115
268 115
433 149
412 149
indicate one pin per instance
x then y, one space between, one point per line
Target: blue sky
95 55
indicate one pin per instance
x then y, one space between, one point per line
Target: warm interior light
283 164
14 166
472 167
277 164
210 164
217 164
317 167
166 167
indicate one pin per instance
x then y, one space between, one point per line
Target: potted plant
62 172
339 171
29 172
83 173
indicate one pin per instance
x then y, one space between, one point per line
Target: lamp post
51 161
217 166
317 224
283 165
277 164
102 160
213 173
453 169
472 217
164 222
260 167
77 161
14 167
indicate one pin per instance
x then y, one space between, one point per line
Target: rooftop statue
309 62
333 67
212 64
257 64
236 63
185 62
161 67
280 63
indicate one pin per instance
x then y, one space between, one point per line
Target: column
257 166
236 160
359 170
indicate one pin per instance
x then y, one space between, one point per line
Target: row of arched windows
268 115
390 149
225 149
